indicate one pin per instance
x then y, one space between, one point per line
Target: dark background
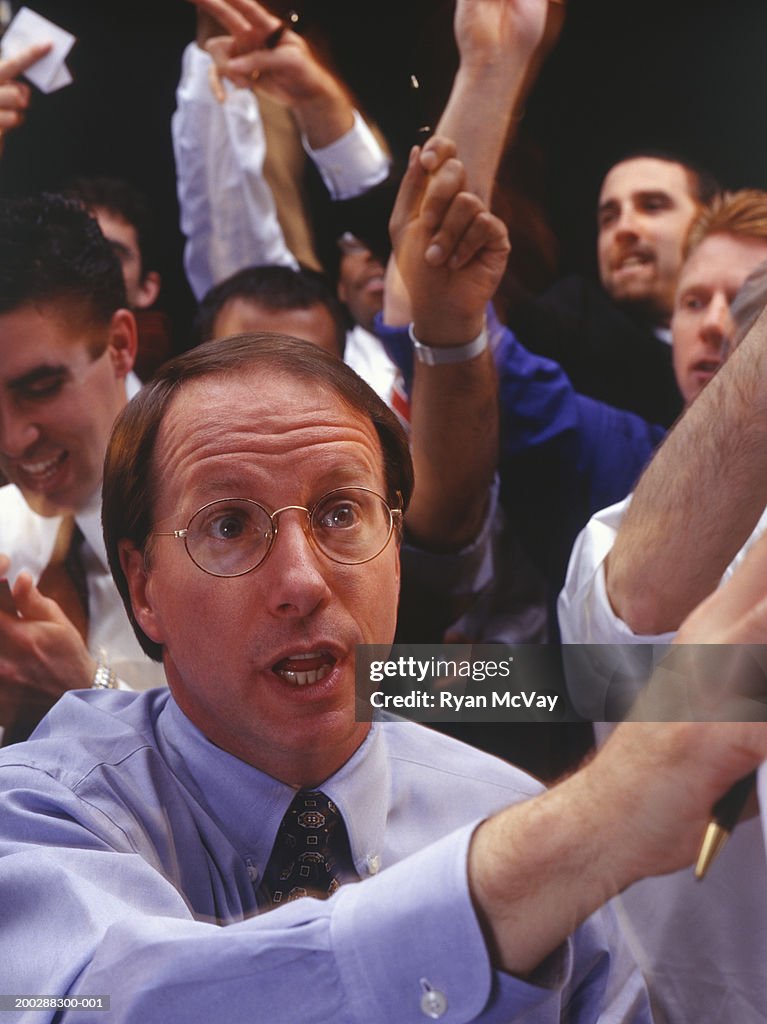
683 76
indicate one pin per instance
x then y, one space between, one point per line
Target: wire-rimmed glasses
233 536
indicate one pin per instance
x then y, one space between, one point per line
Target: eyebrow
120 249
36 376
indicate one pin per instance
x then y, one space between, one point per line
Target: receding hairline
690 175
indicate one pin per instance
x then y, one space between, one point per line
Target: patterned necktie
311 854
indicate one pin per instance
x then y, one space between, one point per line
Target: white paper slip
27 28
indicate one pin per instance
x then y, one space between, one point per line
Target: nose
17 433
627 222
717 325
296 585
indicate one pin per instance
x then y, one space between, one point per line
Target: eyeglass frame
395 515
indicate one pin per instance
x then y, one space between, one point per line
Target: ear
137 576
123 341
342 292
148 290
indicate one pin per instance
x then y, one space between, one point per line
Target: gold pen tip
710 848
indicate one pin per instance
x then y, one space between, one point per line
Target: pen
724 818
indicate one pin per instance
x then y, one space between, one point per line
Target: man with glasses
253 533
67 345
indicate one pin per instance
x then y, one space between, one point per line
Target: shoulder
430 757
87 732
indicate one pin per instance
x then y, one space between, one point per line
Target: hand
493 32
450 251
287 70
14 95
640 808
42 655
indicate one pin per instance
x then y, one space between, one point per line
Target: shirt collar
249 805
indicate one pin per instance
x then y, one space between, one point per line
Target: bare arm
497 41
451 253
699 499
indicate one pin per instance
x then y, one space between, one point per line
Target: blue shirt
127 840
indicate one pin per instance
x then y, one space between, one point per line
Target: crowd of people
354 447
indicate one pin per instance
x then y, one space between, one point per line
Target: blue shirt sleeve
85 914
563 455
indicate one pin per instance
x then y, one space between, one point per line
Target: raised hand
449 249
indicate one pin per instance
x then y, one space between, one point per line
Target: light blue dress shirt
127 840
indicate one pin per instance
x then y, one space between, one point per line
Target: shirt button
433 1004
373 863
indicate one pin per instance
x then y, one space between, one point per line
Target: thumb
32 605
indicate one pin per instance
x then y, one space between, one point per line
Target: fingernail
434 254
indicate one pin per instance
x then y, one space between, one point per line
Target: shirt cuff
352 164
195 69
423 916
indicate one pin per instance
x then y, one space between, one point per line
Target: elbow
639 606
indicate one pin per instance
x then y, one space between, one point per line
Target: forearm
325 116
477 118
698 500
454 442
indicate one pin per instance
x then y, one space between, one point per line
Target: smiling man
67 346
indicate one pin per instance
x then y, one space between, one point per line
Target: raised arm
451 253
699 499
497 41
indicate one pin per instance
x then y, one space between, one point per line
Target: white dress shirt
228 213
28 539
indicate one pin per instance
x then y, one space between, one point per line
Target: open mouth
305 669
632 260
38 474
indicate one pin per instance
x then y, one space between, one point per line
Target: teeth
41 469
304 678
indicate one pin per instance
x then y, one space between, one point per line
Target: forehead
722 261
116 228
644 174
242 315
231 436
35 336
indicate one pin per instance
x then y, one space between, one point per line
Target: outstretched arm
641 807
699 499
